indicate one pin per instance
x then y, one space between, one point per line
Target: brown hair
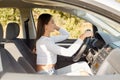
42 20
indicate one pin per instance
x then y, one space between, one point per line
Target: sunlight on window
74 25
9 15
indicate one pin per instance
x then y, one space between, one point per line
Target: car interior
101 52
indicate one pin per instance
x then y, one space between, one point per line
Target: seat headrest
12 31
1 32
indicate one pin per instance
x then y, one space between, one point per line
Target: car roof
111 3
87 5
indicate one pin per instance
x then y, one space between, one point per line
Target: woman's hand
86 34
56 27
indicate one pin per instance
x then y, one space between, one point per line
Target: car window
9 15
74 25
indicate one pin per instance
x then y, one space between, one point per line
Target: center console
100 57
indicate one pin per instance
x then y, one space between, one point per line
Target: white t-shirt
47 50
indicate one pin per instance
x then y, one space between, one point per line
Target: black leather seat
18 48
7 62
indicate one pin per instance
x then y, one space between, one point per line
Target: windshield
115 4
113 24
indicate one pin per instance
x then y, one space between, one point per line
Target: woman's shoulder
43 39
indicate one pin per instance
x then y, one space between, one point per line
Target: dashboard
100 51
100 57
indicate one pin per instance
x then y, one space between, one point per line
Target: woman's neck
47 34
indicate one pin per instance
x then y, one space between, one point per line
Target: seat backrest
18 48
12 31
8 63
111 65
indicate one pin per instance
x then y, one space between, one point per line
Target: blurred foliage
70 22
9 15
118 1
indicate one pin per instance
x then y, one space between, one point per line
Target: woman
46 48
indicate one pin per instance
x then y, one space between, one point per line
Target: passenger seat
7 62
18 48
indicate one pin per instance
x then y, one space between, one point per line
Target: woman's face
50 27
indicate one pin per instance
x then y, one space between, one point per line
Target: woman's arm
63 35
64 51
72 49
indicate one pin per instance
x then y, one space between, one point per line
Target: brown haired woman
47 50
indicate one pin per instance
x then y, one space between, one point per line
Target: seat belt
27 31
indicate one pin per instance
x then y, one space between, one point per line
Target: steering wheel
82 49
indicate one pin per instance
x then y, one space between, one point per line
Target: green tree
9 15
70 22
118 1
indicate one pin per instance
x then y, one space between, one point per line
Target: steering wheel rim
81 50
